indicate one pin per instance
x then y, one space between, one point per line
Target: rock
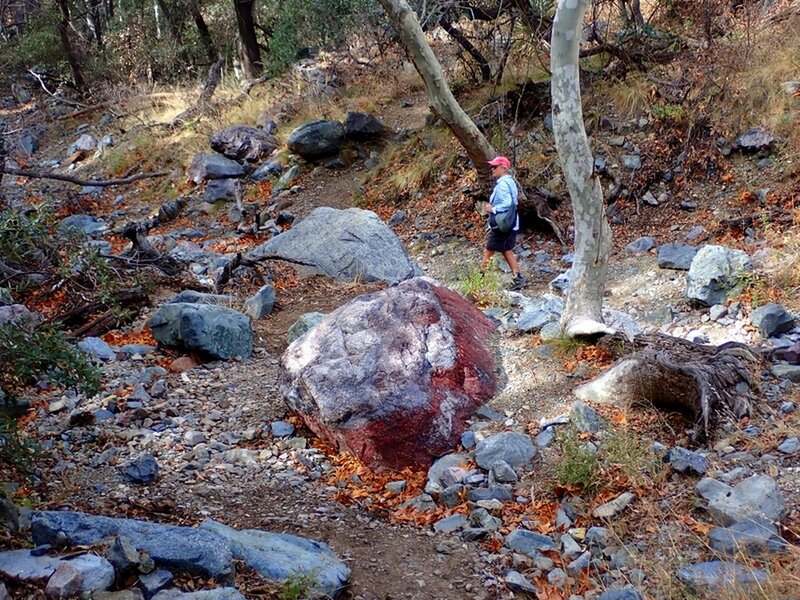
551 331
754 140
81 225
756 498
193 297
85 143
155 582
347 245
611 509
790 445
97 348
181 548
451 496
482 519
747 538
585 419
529 542
222 190
142 471
641 245
450 524
16 314
501 472
260 304
213 166
516 582
686 461
240 142
281 429
515 449
85 574
789 354
719 574
561 283
676 256
217 332
440 475
781 371
627 593
579 564
225 593
303 323
22 565
495 492
285 180
632 162
267 171
393 375
9 515
28 143
362 126
771 319
715 272
538 312
280 557
123 556
316 139
557 577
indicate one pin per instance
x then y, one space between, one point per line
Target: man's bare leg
512 262
487 256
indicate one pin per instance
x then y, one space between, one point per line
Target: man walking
503 199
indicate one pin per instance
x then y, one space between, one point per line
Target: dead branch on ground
33 174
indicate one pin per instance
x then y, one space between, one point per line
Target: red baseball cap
500 161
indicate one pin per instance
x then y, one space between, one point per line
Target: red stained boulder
393 375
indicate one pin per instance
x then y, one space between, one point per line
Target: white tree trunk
583 312
440 98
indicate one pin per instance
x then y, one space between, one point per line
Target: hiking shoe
518 283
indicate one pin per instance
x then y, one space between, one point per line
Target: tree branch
108 182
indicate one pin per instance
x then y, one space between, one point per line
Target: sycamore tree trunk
440 98
251 54
583 312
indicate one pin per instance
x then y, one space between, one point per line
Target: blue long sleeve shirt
504 197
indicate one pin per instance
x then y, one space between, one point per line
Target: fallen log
87 182
666 372
119 309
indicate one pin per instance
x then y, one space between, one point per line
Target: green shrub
579 466
484 288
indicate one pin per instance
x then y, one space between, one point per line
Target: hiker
501 202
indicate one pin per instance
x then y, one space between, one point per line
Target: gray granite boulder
215 331
393 375
207 166
362 126
347 245
193 297
181 548
771 319
676 256
720 574
757 498
222 190
515 449
241 142
21 565
260 305
317 139
754 140
280 557
641 245
303 323
715 272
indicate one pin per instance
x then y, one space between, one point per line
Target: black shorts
498 241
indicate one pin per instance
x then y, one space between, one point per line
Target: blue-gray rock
757 498
627 593
436 472
85 143
225 593
561 283
557 577
286 180
281 429
715 272
579 564
790 445
487 413
154 582
584 418
90 572
516 582
28 143
641 245
303 323
280 556
781 371
123 555
450 524
480 517
222 190
83 225
676 256
241 142
362 126
515 449
207 166
545 437
187 549
316 139
538 312
94 346
597 537
193 297
473 534
218 332
501 472
142 471
748 538
529 542
260 305
22 565
754 140
687 461
495 492
91 190
452 496
771 319
267 171
468 439
348 245
632 162
719 574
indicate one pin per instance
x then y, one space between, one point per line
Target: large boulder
240 142
393 375
362 126
316 139
714 273
215 331
207 166
344 244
